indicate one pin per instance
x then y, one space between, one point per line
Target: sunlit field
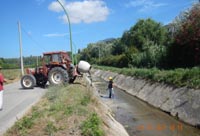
11 75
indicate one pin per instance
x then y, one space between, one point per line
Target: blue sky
44 25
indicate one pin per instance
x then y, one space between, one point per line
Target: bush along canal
140 118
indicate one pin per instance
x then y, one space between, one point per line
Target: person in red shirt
2 80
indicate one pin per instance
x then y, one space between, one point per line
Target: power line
36 43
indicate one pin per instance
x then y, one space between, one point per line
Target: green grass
178 77
63 108
50 128
11 74
91 126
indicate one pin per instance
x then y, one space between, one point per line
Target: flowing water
139 118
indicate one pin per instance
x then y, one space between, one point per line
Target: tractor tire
57 76
28 82
41 80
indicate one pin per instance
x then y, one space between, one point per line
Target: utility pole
20 46
75 59
37 61
99 54
70 33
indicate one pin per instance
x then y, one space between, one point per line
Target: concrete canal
139 118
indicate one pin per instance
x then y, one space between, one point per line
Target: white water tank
83 66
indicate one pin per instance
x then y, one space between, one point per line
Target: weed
91 126
50 128
81 111
69 110
54 92
57 106
24 124
85 100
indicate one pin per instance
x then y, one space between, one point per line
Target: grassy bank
65 110
11 75
177 77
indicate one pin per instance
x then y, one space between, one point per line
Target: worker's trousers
1 99
111 92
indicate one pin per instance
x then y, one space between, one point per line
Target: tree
85 55
144 31
185 51
118 47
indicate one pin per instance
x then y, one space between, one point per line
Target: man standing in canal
2 80
110 87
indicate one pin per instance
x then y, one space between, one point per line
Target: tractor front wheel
58 76
28 82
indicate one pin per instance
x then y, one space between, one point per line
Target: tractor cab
58 58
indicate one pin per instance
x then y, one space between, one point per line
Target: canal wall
182 103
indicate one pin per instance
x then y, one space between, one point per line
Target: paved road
17 102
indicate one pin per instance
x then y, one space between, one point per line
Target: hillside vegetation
150 50
14 63
149 44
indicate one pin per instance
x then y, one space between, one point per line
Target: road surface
17 102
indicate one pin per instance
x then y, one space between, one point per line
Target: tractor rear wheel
58 75
28 81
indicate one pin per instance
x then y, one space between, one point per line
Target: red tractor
56 68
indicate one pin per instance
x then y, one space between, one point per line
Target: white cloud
55 6
86 11
29 33
55 35
40 1
145 5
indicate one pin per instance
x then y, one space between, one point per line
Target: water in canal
139 118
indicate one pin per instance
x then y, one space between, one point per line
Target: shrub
152 56
178 77
116 61
91 126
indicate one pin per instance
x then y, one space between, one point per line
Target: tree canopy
144 31
185 50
